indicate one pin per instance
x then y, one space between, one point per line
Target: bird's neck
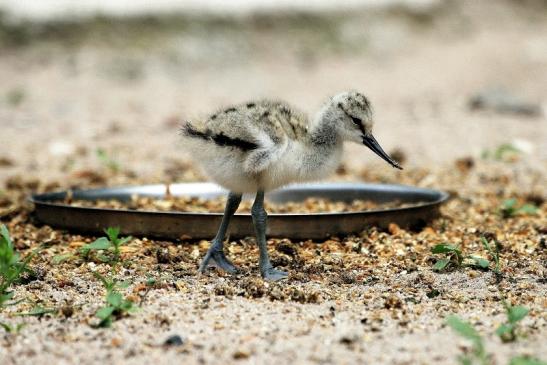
323 132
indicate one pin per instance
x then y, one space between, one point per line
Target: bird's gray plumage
278 120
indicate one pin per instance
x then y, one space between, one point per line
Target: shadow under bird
263 145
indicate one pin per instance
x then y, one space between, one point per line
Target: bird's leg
259 221
216 251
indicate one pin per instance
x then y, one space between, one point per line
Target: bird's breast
301 163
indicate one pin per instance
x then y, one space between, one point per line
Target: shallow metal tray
174 225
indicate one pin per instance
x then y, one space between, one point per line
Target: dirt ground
456 89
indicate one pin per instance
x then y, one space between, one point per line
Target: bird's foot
217 258
271 274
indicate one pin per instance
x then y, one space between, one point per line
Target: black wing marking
219 139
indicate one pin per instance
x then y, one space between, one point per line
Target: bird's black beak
373 144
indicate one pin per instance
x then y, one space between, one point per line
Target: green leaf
528 209
38 311
525 360
517 313
115 299
127 306
5 235
504 150
11 266
504 330
105 312
124 240
12 329
112 233
441 264
508 208
103 258
463 328
445 248
105 323
6 327
99 244
486 245
57 259
480 262
6 296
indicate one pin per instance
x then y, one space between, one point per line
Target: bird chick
260 146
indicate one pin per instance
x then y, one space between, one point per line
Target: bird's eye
357 121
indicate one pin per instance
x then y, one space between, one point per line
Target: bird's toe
272 274
218 259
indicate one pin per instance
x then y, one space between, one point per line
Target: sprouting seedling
110 243
9 328
38 311
107 161
507 331
510 209
478 353
454 257
495 254
11 267
150 282
115 241
503 152
116 305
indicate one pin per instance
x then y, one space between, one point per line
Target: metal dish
174 225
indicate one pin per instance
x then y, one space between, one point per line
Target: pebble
173 341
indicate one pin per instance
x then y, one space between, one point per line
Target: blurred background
93 86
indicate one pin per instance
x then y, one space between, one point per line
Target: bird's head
353 113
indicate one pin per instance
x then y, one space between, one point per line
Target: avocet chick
263 145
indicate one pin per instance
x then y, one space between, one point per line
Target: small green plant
504 152
453 257
59 259
9 328
494 253
38 311
526 360
107 161
11 267
507 331
116 305
112 243
510 209
150 282
478 353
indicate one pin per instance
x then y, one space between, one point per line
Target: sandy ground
123 87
